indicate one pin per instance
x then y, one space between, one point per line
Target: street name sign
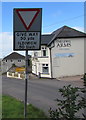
27 28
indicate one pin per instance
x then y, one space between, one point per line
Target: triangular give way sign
27 16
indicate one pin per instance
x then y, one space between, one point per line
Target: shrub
22 76
84 78
10 73
16 74
69 105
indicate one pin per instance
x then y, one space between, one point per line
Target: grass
0 106
12 108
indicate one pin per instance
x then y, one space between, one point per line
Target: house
0 65
17 60
13 59
61 54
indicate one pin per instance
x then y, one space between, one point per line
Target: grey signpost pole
27 36
26 83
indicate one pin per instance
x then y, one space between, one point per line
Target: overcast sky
54 16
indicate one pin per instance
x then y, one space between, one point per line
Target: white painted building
61 54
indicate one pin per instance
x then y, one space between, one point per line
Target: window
6 60
45 68
44 51
19 60
35 54
43 48
11 60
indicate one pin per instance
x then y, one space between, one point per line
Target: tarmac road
41 93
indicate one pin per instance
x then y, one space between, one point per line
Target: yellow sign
20 69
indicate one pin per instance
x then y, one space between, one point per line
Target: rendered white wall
84 55
68 66
37 63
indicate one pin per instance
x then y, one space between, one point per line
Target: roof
66 32
14 55
45 39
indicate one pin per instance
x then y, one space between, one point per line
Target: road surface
41 93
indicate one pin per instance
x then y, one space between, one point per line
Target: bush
10 73
13 65
22 76
84 78
70 105
16 74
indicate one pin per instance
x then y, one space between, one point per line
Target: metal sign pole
27 36
26 83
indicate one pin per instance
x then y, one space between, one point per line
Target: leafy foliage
69 105
84 78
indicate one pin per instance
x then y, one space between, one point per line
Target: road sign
27 28
27 36
27 16
20 69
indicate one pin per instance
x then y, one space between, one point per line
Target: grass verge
12 108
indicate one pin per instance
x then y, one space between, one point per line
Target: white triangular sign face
27 17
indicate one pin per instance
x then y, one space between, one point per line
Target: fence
15 75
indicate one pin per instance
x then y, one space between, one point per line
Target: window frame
11 60
45 66
44 51
19 60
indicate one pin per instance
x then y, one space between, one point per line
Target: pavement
62 81
72 78
42 93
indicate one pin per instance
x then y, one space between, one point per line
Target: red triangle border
18 10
